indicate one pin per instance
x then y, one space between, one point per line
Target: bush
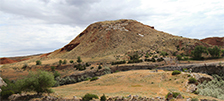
99 67
89 97
103 98
94 78
38 62
24 66
87 64
164 53
153 60
71 61
148 60
179 57
175 94
64 62
56 74
6 94
39 82
80 67
92 68
175 72
79 59
192 80
60 62
212 88
160 59
194 99
53 68
135 61
118 62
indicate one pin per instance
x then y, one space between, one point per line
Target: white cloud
37 26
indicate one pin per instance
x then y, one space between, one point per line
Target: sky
40 26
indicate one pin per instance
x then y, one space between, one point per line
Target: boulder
170 96
2 83
191 88
202 77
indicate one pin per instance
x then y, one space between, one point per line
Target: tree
79 60
214 52
39 82
223 53
179 57
38 62
197 52
60 62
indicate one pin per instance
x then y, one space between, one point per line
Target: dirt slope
102 39
6 61
136 82
219 41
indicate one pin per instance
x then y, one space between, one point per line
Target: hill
110 38
218 41
6 61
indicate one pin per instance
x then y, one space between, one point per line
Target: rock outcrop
2 83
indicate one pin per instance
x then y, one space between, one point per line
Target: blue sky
40 26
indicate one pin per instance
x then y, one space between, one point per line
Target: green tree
60 62
39 82
79 59
56 74
38 62
223 53
214 52
197 52
89 97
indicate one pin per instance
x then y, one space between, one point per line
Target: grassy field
137 82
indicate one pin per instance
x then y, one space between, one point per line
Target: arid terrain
102 43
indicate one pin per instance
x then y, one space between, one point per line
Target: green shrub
194 99
134 61
118 62
148 60
6 94
179 57
71 61
56 74
52 68
60 62
92 68
64 62
39 82
24 66
80 67
212 88
197 52
79 59
214 52
87 64
160 59
103 98
99 67
164 53
175 72
89 97
175 94
153 60
94 78
38 62
192 80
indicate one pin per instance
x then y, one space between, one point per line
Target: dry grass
138 82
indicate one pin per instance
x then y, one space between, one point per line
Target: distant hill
108 38
6 61
218 41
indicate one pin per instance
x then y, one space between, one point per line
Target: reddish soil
219 41
6 61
